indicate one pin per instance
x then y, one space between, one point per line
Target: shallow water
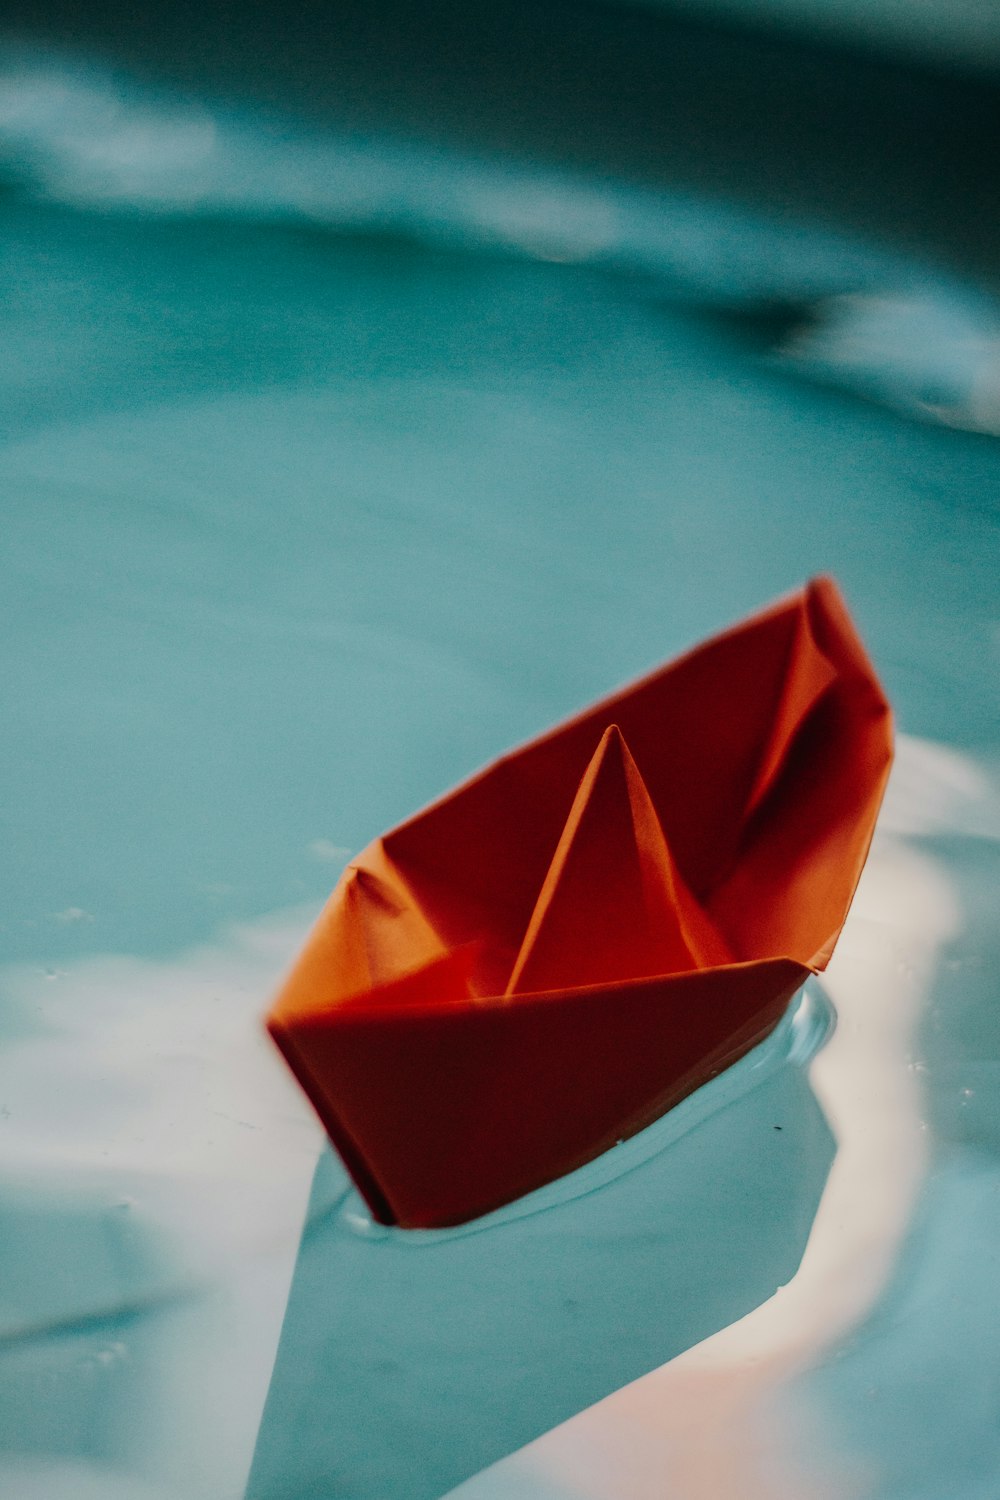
320 489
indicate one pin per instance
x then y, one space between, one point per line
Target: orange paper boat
553 955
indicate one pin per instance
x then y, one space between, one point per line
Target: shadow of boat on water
410 1360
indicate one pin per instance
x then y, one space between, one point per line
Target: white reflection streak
88 136
150 1087
720 1419
931 355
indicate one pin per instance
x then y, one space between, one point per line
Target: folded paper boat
543 962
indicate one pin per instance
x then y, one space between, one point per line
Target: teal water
279 503
309 510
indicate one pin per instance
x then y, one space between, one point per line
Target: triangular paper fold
613 905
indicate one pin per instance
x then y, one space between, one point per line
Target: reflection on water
331 468
934 358
895 330
91 138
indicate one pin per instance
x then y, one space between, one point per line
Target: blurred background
378 384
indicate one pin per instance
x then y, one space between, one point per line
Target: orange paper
553 955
